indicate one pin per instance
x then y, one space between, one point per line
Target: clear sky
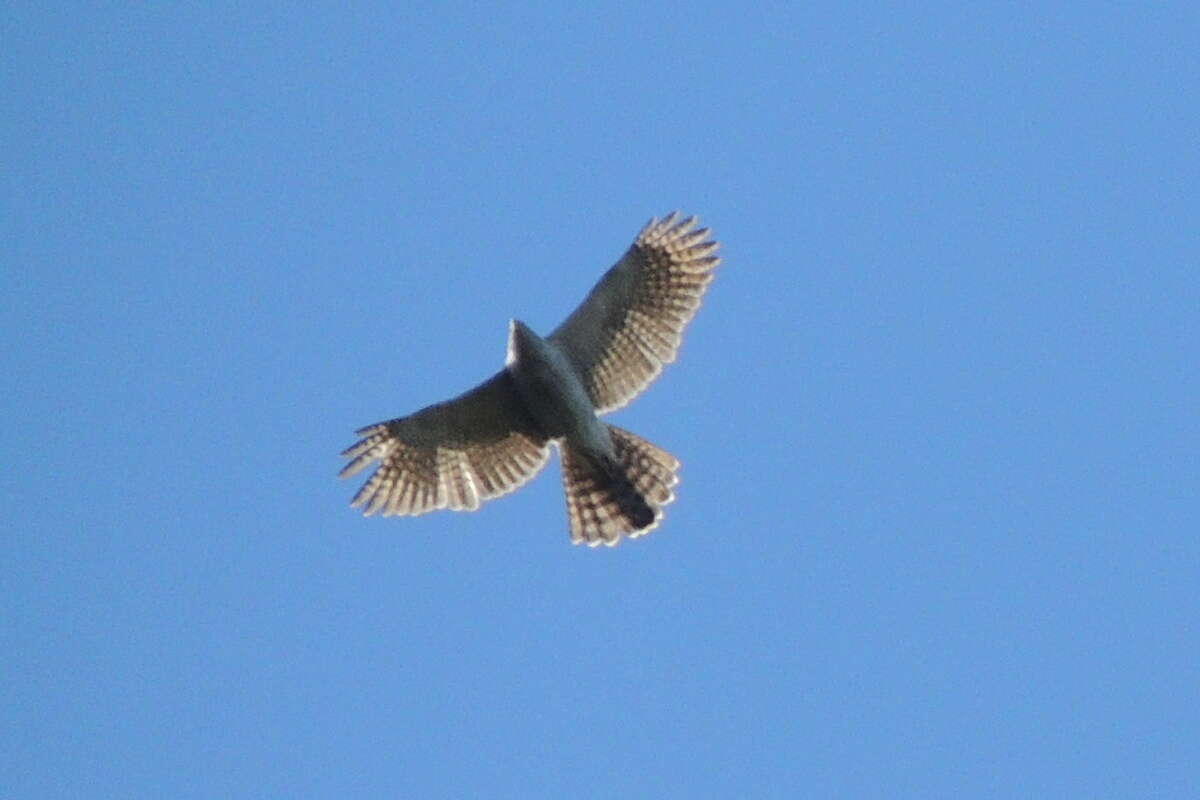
936 531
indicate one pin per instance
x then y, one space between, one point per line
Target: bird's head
521 339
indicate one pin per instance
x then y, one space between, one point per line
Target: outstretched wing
455 454
631 323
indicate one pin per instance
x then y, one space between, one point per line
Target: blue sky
936 531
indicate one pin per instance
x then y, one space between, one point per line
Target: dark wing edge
457 454
631 324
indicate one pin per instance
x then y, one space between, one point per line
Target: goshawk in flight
495 437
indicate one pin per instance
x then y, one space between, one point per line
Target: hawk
495 437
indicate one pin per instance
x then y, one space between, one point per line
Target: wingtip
673 226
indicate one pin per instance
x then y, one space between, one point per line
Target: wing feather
456 454
631 324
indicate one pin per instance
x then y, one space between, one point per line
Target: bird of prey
495 437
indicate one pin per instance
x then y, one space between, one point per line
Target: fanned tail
621 498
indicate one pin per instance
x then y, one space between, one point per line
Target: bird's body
552 390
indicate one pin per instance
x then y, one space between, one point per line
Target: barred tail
623 497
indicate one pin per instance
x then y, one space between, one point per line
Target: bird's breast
553 392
